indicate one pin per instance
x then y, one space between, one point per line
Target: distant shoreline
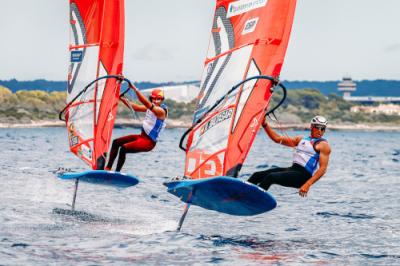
171 123
176 123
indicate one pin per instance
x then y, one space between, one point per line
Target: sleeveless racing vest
153 126
306 155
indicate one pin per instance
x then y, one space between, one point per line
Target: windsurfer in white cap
310 159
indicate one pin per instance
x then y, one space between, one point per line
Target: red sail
248 38
96 47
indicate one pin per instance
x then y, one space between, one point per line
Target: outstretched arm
157 110
284 140
136 107
324 152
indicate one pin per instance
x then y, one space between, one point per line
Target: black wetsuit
294 176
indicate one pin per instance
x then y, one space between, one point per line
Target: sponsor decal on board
243 6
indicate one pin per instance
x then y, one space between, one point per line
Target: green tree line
306 103
24 106
29 105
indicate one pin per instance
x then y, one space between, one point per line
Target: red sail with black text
96 49
248 38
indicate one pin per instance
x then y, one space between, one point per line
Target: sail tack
248 39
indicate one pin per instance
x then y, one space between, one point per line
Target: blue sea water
351 216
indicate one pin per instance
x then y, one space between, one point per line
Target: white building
388 109
347 86
178 93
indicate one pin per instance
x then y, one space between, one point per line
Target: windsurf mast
245 56
94 78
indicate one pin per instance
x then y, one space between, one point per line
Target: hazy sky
167 40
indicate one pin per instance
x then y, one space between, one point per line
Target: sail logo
250 26
73 141
243 6
199 113
85 152
76 56
73 137
200 164
254 125
224 115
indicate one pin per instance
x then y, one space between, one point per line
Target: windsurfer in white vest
153 123
310 159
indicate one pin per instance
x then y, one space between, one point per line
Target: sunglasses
322 128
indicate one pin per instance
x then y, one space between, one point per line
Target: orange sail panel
248 38
96 49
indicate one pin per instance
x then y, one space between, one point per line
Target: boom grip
118 77
280 102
